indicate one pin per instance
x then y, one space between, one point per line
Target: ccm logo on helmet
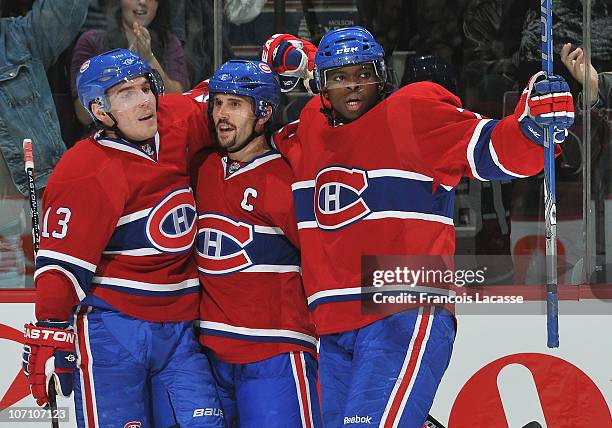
221 244
171 224
58 336
338 197
346 50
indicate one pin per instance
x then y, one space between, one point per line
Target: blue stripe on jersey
82 275
303 202
133 236
486 167
129 236
387 193
252 338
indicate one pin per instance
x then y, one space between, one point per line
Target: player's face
233 117
133 106
352 90
141 11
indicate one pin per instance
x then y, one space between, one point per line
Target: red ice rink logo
19 388
568 398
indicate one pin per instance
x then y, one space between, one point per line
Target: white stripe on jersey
302 185
409 215
75 283
402 215
499 165
137 252
259 332
393 288
378 173
268 230
66 258
273 269
138 285
472 146
134 216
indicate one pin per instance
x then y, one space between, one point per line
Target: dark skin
352 90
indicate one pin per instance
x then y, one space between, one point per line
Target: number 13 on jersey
60 229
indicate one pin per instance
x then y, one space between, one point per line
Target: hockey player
255 323
119 223
375 172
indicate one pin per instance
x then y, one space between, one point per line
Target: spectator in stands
143 27
600 84
30 45
199 27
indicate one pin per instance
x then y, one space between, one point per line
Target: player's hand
292 59
545 101
48 355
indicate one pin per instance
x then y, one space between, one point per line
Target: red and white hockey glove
545 101
48 355
292 59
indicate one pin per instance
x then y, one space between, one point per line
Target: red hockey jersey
383 185
119 223
253 305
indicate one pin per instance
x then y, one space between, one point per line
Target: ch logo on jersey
171 224
338 197
221 244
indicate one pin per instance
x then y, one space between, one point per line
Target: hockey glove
292 59
49 355
545 101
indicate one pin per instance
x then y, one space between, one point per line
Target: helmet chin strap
115 128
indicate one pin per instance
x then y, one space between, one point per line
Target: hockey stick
550 204
29 169
432 423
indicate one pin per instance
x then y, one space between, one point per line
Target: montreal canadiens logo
264 67
339 197
85 66
171 224
221 244
133 424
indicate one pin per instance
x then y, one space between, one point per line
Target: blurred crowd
482 50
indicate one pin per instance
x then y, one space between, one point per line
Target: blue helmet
101 72
253 79
348 46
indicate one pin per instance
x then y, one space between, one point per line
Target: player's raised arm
459 142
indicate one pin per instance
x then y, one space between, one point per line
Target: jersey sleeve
457 142
196 102
287 142
280 206
78 219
